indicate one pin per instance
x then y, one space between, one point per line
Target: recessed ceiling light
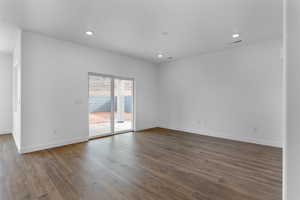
90 33
236 35
160 55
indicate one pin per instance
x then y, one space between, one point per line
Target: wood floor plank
149 165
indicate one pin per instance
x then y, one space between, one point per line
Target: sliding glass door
110 104
123 116
100 105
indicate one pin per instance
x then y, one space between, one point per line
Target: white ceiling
134 27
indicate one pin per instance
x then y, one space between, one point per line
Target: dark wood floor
156 164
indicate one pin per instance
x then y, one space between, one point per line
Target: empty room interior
148 99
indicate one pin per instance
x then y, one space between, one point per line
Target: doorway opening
111 105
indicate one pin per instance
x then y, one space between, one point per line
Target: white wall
55 89
292 33
16 90
5 93
235 94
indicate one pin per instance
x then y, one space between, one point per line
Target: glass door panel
100 105
123 105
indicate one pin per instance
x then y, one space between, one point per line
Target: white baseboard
5 131
144 129
52 145
273 143
201 132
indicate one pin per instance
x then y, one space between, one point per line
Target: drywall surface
235 94
5 93
55 89
16 90
293 98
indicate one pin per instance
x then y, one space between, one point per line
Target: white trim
260 141
123 131
109 76
100 135
112 105
5 131
285 145
144 129
52 145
